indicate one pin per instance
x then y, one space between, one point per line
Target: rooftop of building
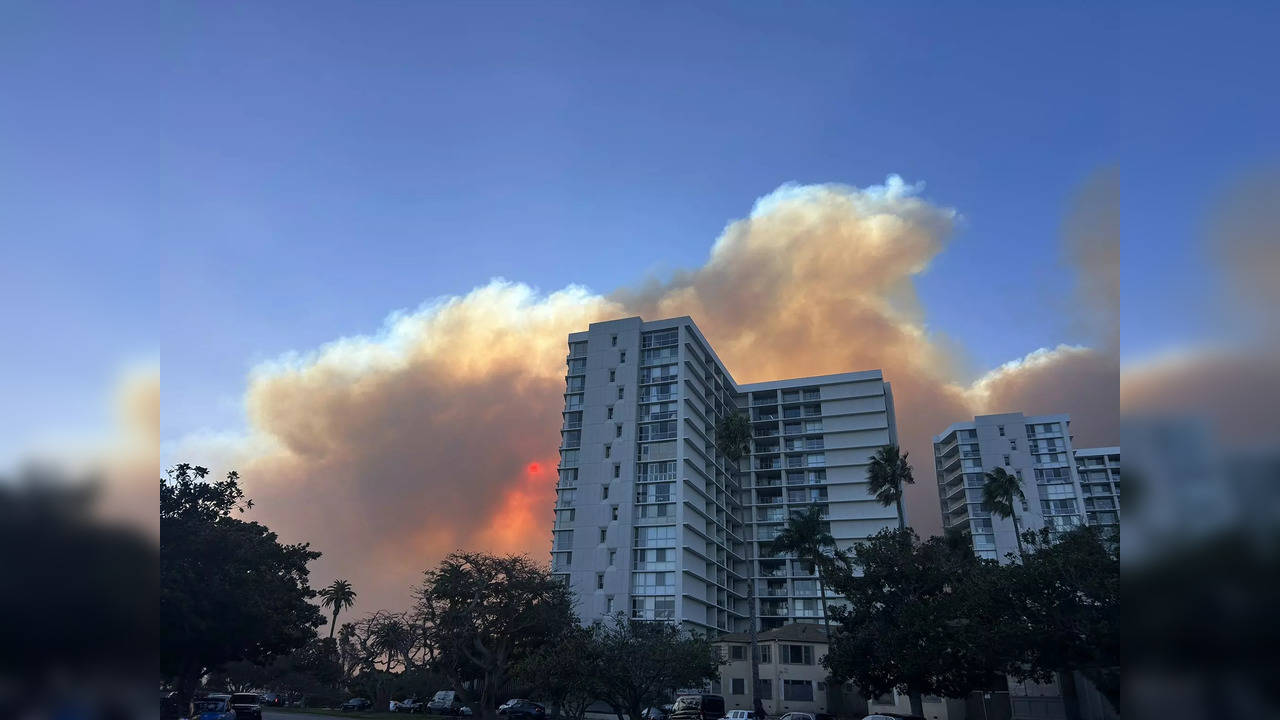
996 417
791 632
785 383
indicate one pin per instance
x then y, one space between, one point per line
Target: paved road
270 714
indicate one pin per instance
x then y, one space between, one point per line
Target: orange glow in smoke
534 468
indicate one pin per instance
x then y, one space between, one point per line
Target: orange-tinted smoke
389 451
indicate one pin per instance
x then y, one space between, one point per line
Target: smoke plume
441 431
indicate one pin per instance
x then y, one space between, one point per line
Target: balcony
774 609
765 416
765 432
767 464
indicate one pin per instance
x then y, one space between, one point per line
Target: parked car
356 704
214 707
502 709
698 707
271 699
526 710
823 716
247 706
892 716
657 713
797 716
409 705
446 702
740 715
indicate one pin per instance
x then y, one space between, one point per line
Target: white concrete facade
1037 449
653 521
1099 472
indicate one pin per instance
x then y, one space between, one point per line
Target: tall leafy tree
920 618
887 473
733 436
1068 612
483 614
806 537
733 440
337 596
565 672
642 663
1000 492
229 589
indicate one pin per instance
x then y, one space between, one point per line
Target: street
274 714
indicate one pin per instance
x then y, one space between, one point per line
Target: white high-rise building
1036 449
652 520
1099 472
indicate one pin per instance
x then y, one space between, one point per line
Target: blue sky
216 183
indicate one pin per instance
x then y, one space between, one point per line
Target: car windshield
244 699
690 701
210 705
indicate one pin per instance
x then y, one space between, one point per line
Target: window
608 605
615 512
653 582
603 532
565 516
608 450
656 559
617 430
737 652
613 375
613 555
796 654
622 357
604 492
1001 427
610 415
613 340
621 392
617 470
653 608
738 686
1006 459
599 581
766 657
1013 444
655 536
797 690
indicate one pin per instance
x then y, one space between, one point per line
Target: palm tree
887 473
339 596
733 440
806 536
999 493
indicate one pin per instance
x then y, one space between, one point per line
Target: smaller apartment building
792 678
